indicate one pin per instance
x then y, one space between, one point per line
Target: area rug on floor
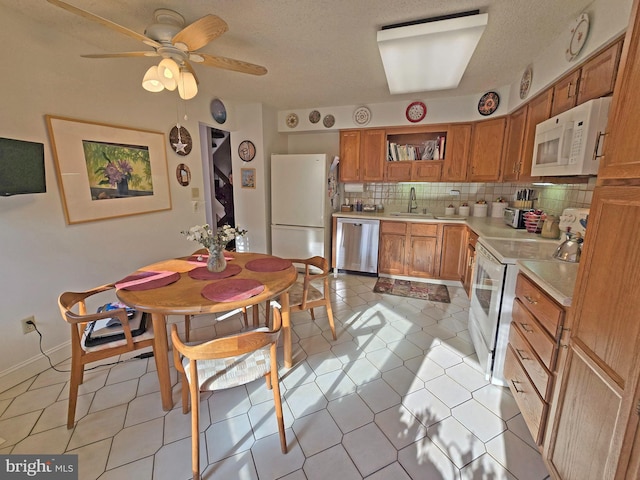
406 288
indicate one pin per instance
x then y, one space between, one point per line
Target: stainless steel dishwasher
357 245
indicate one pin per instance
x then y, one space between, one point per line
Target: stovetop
508 251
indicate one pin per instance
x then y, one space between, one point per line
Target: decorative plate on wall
180 140
416 111
488 103
525 82
328 121
183 174
218 111
292 120
247 150
361 116
314 116
577 36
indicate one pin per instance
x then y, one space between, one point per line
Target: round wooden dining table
169 288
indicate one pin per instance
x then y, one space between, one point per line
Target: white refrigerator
301 206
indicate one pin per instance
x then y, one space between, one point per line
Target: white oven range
492 295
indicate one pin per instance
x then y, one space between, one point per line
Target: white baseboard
19 373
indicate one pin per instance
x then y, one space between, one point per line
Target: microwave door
548 146
566 146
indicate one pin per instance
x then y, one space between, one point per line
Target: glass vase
216 261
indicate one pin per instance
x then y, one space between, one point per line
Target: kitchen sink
411 214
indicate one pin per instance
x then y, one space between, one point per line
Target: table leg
162 359
286 329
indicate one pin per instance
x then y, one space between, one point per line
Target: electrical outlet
27 327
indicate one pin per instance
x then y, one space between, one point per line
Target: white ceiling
317 52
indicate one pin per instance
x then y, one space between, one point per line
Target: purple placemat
270 264
232 290
201 273
147 280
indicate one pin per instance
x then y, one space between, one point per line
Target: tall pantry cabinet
594 425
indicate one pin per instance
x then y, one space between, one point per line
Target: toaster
514 217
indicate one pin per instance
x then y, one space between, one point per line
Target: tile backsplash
436 196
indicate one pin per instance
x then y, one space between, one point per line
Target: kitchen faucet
413 205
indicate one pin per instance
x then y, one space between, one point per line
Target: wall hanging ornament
180 140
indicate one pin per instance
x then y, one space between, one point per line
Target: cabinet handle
530 300
522 357
569 90
515 387
525 327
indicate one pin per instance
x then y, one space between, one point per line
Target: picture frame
248 177
108 171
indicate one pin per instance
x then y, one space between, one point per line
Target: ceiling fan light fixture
187 85
151 81
169 73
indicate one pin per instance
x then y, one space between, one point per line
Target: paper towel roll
354 187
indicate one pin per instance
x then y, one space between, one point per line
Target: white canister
497 209
480 209
463 210
450 211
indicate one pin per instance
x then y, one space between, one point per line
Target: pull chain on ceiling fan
177 44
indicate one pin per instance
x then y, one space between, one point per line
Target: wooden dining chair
303 295
73 309
227 362
187 318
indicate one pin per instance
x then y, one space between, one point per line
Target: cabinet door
469 261
565 93
599 74
422 257
372 155
350 156
622 144
426 170
453 252
391 256
599 382
398 171
486 150
514 144
538 111
456 155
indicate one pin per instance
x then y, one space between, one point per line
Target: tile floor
397 396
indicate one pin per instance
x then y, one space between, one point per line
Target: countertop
553 276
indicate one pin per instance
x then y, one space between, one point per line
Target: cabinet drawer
539 375
532 407
548 313
424 230
541 342
393 227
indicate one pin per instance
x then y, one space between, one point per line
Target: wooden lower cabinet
425 250
531 360
469 260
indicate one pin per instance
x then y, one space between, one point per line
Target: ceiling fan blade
105 22
200 32
231 64
123 54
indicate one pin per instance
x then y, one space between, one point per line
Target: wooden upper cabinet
486 150
456 157
350 156
362 155
426 170
622 143
514 144
372 155
598 75
565 93
539 111
398 171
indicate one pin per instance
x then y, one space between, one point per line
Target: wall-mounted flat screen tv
21 167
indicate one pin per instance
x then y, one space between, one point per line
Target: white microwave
569 143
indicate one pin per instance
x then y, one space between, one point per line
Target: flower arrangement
203 234
115 172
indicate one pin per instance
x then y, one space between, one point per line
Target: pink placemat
147 280
202 259
232 290
270 264
201 273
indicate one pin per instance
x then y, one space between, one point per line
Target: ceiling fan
178 46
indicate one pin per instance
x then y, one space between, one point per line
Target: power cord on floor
137 357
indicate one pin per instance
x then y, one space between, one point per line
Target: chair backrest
229 346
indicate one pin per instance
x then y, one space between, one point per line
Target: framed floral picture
107 171
248 177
